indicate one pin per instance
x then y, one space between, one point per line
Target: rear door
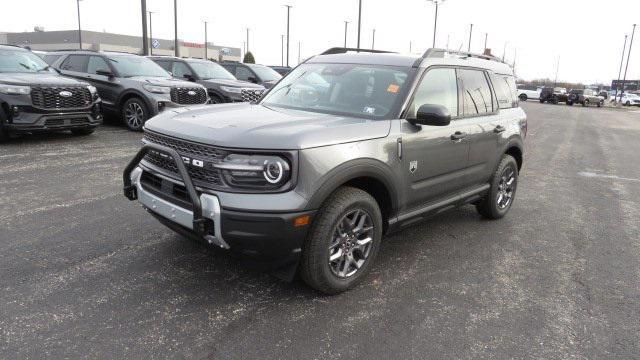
75 66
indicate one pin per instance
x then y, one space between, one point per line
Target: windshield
131 65
342 89
207 70
20 61
266 73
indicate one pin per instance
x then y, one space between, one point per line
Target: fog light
161 105
301 221
15 110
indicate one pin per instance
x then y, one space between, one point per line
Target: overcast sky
587 34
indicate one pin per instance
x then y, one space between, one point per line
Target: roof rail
439 53
342 50
17 46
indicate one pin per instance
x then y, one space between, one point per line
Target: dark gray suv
347 147
34 97
257 74
131 86
221 85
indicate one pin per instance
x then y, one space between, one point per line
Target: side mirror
252 79
104 72
433 115
189 77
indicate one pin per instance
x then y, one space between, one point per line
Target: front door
108 87
434 157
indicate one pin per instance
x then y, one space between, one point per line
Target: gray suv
221 85
254 73
346 148
34 97
131 86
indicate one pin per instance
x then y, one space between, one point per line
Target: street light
151 31
359 21
470 33
79 29
624 79
288 12
504 52
435 21
282 50
624 48
145 40
206 43
346 23
175 28
373 40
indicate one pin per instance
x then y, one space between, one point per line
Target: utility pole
486 37
504 52
79 27
448 36
206 43
373 40
176 44
282 50
288 11
624 48
246 51
150 32
346 24
470 33
299 46
624 79
359 21
145 40
435 20
555 82
410 47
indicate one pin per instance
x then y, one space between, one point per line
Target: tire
628 103
215 99
585 103
600 103
4 134
569 103
492 206
345 205
523 97
134 113
541 101
83 132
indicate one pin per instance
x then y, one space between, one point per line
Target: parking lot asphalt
85 273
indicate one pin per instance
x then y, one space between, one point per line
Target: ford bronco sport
345 148
131 86
34 97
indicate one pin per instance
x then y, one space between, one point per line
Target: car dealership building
93 40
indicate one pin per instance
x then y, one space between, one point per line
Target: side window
77 63
165 65
438 87
96 63
242 73
477 99
50 59
180 69
503 91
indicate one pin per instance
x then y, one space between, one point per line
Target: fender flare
353 169
138 94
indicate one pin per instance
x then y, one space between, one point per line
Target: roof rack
440 53
342 50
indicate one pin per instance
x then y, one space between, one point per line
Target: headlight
267 172
235 90
157 89
14 89
92 89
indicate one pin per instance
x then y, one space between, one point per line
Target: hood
255 126
231 83
46 78
152 80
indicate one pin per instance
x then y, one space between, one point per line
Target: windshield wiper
25 66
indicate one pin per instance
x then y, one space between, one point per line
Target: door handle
498 129
458 136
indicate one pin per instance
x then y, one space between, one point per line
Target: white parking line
605 176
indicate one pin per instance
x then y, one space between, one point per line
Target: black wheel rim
351 243
134 115
506 188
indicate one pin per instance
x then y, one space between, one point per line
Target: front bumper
268 238
27 118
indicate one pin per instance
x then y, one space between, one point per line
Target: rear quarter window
506 91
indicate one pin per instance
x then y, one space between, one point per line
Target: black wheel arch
515 148
126 95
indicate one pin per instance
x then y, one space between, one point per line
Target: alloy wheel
134 115
351 244
506 188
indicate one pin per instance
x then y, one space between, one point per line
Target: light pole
359 21
624 48
624 79
288 12
299 46
247 50
435 20
79 28
206 42
151 31
470 33
282 50
373 40
175 28
486 37
410 47
346 24
504 52
145 40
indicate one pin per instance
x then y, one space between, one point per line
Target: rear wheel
523 97
569 103
343 242
585 103
504 183
83 132
134 114
600 103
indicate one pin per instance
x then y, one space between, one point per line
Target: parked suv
221 85
584 97
346 148
257 74
34 97
131 86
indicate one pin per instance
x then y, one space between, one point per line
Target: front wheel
134 114
343 242
502 192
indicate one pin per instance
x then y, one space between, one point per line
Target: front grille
251 95
166 189
188 95
206 153
60 97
